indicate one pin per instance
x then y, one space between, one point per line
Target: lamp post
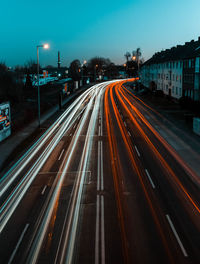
45 46
84 62
95 72
125 69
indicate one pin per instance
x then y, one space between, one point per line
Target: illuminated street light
45 46
134 58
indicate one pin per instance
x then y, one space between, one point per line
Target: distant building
175 71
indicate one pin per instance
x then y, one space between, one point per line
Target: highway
101 186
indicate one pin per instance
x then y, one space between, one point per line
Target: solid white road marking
99 130
102 232
102 180
137 151
18 244
176 236
149 177
61 154
98 166
44 189
101 123
97 233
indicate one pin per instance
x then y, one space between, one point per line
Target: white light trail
71 228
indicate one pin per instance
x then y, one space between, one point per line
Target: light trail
115 171
14 198
165 165
128 144
66 246
11 175
187 169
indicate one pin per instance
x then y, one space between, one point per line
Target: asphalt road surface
100 186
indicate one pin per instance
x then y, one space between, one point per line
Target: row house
175 71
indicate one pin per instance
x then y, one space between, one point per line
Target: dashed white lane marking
137 151
149 177
176 236
125 123
18 244
129 133
99 130
61 154
44 189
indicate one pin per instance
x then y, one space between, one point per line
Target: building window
176 90
177 77
173 89
192 63
180 91
180 78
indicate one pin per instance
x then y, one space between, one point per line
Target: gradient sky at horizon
84 29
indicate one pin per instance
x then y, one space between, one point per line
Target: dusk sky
84 29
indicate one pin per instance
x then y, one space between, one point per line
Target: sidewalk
8 146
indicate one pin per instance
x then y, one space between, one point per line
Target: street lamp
45 46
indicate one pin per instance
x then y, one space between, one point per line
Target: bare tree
137 54
127 55
75 69
31 67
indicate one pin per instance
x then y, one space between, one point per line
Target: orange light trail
121 95
114 154
164 142
128 143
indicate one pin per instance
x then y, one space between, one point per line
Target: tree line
12 87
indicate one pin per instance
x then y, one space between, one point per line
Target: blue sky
83 29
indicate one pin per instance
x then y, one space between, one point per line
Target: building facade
175 71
